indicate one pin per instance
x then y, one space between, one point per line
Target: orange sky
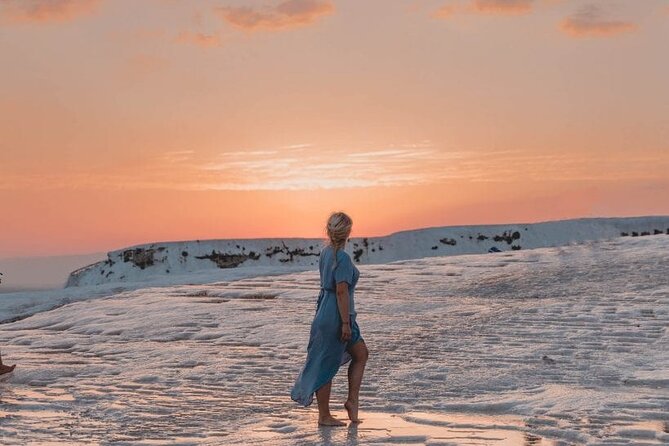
128 121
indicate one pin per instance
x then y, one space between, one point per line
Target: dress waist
321 294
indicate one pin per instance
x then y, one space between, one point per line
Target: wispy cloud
285 15
590 21
502 6
198 39
445 12
44 11
295 168
490 7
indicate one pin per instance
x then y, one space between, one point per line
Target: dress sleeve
344 270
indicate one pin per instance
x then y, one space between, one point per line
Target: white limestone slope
551 346
157 261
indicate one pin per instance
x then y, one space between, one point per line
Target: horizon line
323 238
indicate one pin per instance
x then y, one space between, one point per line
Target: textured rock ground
548 346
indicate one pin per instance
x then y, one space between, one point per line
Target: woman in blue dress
335 336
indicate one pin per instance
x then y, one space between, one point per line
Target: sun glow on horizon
125 122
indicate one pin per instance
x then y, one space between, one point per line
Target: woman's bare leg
5 368
359 355
325 418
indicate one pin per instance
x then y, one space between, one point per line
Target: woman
335 336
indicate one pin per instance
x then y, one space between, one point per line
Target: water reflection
414 428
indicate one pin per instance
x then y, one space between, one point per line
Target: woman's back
344 271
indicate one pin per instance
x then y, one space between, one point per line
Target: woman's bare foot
6 368
352 409
329 420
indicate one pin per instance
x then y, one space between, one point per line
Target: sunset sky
134 121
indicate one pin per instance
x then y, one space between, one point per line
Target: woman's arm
342 303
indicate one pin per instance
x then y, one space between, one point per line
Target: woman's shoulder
341 254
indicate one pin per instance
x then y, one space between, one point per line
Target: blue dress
325 351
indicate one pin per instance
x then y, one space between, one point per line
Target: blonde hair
338 229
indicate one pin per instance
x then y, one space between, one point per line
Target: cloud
445 12
286 15
502 6
490 7
307 167
44 11
590 21
327 169
198 39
